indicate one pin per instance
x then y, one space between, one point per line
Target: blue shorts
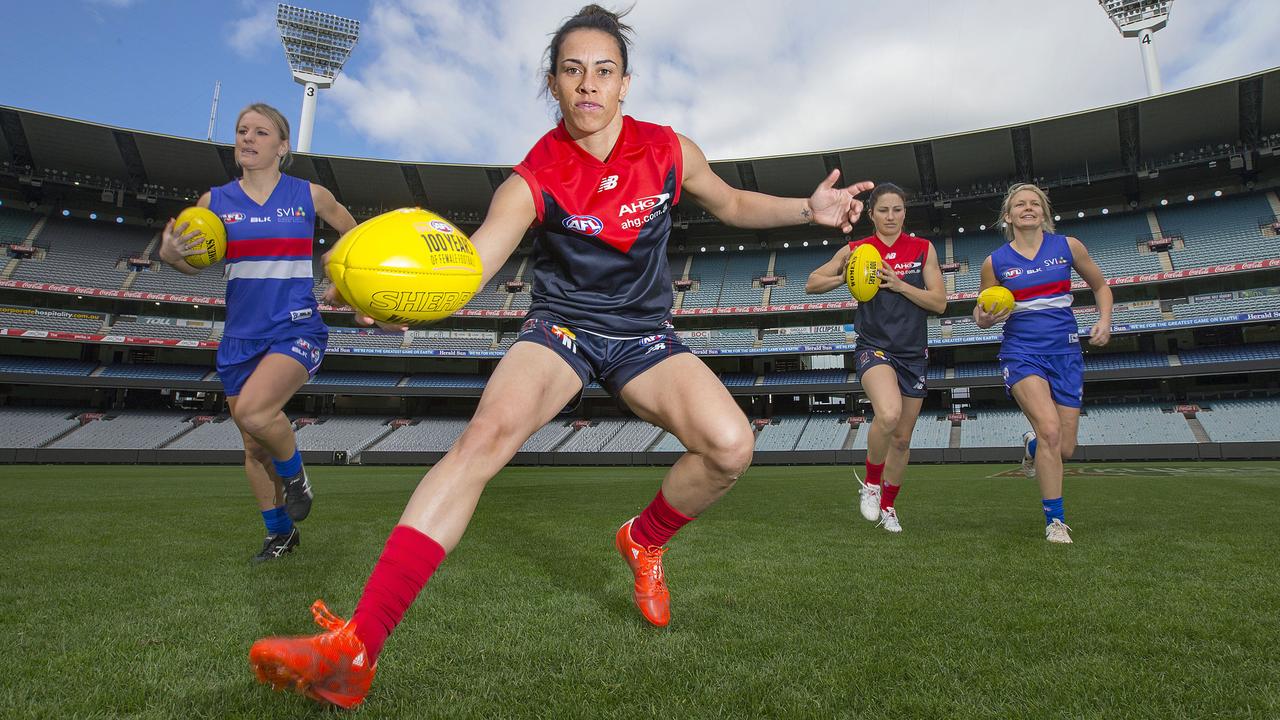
911 373
1064 373
613 361
238 358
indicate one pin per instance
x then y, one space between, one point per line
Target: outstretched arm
828 205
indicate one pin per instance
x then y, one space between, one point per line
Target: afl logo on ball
585 224
442 226
1012 273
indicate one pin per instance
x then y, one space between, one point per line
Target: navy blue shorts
1064 373
611 360
911 373
237 358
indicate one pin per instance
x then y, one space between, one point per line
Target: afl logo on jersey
585 224
1012 273
232 217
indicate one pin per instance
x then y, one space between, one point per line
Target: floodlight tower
1141 19
317 45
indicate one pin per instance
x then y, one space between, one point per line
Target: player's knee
487 434
729 454
1049 435
889 419
1067 448
253 452
253 421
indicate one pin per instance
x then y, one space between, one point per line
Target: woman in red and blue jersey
891 356
273 338
598 190
1040 357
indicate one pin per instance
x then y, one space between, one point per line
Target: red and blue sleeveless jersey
1042 322
268 268
600 252
889 321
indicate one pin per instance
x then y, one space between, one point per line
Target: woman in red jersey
273 339
891 357
598 189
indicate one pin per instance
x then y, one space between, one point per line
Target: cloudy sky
458 81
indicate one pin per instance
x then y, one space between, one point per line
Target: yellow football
996 299
860 274
212 232
407 266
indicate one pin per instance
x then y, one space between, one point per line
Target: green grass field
127 592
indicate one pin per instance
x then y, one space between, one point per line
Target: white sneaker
889 521
1028 460
869 499
1057 532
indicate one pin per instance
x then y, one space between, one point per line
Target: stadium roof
1095 143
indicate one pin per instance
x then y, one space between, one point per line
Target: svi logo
585 224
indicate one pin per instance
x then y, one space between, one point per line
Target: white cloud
445 80
250 35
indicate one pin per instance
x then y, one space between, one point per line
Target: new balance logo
358 661
608 183
635 552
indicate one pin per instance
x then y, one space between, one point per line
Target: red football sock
888 493
874 472
658 523
407 562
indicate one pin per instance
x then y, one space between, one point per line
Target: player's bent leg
880 383
281 535
1034 397
1068 430
684 397
528 388
895 468
258 413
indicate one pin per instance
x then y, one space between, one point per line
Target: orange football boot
651 595
330 667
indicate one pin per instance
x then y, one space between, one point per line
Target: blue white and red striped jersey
268 268
600 253
1042 322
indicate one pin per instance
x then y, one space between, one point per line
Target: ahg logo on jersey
585 224
644 204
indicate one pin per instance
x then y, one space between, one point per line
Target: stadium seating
807 377
636 436
134 326
1241 420
141 371
446 380
781 433
972 248
351 434
33 427
708 271
929 432
993 428
494 294
1132 425
824 432
795 264
740 272
1112 241
127 431
84 252
425 435
1237 353
45 366
221 433
548 436
1124 361
357 379
595 437
15 225
1219 230
364 338
161 278
12 316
